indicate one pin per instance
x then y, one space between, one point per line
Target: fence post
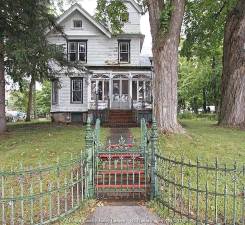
154 138
89 142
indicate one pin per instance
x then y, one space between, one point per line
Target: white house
116 78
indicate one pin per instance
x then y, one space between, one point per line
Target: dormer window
124 51
77 23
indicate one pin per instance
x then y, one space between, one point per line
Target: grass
43 142
203 139
31 143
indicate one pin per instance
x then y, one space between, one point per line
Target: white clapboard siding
64 97
133 24
101 49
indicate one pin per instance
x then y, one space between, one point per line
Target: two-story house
116 79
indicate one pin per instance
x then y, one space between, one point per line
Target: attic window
77 23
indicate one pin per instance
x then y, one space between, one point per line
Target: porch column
130 89
110 89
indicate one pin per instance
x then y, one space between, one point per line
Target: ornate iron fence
194 192
42 195
45 194
198 193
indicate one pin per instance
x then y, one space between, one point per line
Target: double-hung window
77 51
124 51
76 90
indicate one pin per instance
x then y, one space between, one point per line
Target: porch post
130 90
110 89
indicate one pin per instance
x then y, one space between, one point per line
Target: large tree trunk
165 57
232 111
30 98
2 88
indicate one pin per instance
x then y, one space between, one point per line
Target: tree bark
232 110
165 55
30 98
2 88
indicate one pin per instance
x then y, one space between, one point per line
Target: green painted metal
154 137
214 193
122 169
41 195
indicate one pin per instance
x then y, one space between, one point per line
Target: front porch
121 99
125 91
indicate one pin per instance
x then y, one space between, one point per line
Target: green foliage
28 53
166 16
112 14
195 76
43 99
204 26
189 116
19 99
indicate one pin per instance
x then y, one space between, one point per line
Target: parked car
14 116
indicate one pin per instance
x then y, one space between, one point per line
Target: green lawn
203 139
31 143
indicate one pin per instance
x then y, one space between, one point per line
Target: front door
120 94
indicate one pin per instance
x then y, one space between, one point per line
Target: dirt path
117 133
123 213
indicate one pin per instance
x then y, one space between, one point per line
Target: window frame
55 81
80 21
138 99
72 91
128 52
96 81
77 52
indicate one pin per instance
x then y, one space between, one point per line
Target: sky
90 5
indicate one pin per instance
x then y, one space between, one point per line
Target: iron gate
122 170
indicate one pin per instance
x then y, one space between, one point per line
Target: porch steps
121 175
121 118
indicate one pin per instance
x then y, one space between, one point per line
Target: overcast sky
90 5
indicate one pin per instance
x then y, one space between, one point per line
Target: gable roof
79 8
136 5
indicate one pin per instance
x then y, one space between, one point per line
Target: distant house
116 76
